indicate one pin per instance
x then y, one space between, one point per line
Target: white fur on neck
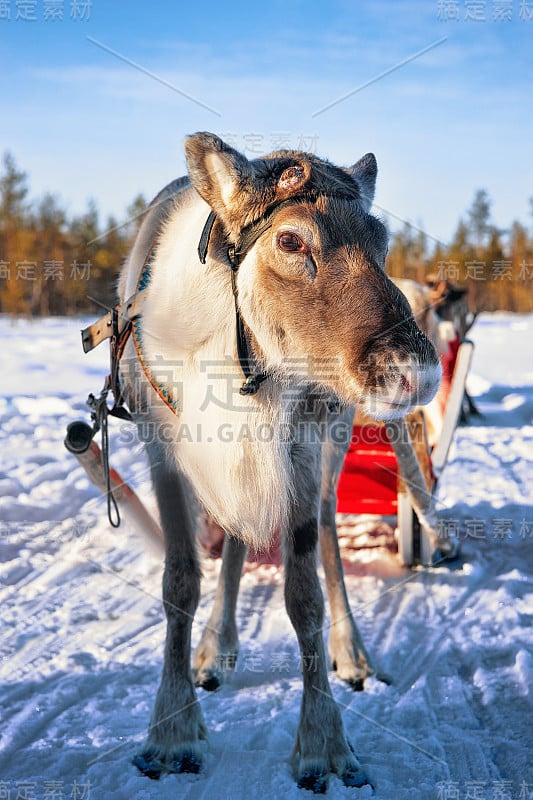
241 474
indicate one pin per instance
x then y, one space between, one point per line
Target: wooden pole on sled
80 443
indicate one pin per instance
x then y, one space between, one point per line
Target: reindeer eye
291 243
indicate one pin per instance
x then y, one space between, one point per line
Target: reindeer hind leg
217 651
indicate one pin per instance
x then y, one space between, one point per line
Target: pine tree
50 241
135 213
479 214
15 264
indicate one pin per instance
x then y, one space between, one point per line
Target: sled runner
370 481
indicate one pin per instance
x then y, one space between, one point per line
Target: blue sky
84 123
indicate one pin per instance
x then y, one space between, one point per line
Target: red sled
370 482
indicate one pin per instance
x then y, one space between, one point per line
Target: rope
100 414
113 514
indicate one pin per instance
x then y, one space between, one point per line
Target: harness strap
113 513
203 244
116 326
117 345
99 415
253 379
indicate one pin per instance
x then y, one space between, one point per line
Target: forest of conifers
51 263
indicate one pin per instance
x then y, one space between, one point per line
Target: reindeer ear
216 170
365 173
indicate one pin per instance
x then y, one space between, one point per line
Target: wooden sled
370 481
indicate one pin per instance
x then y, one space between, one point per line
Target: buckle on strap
252 383
111 324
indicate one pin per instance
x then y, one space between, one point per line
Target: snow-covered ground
82 625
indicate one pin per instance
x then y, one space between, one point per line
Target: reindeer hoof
187 762
357 684
356 778
353 673
313 781
449 550
151 765
210 684
148 764
209 666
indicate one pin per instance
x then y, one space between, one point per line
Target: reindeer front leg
176 727
321 744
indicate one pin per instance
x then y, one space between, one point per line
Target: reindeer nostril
406 385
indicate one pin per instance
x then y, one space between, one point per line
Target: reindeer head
312 287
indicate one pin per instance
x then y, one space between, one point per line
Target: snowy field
82 625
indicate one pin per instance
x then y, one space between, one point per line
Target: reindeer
273 268
425 306
451 305
217 654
